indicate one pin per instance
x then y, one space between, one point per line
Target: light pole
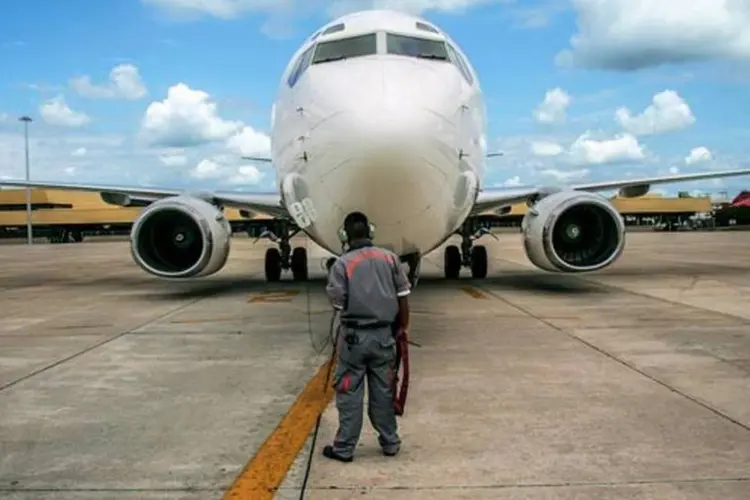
29 235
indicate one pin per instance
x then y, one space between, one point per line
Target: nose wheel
414 262
284 258
472 256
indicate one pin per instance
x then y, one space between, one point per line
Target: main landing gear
284 258
470 255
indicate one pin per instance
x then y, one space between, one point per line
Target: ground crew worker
369 287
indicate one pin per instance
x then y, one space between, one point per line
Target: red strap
400 392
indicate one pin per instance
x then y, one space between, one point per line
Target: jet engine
573 231
180 237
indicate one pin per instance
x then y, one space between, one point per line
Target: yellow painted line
474 293
277 296
264 473
205 320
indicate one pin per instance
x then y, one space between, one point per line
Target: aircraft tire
479 262
299 264
452 262
273 264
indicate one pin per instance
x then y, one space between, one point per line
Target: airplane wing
494 199
269 203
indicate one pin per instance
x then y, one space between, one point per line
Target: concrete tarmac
114 384
626 383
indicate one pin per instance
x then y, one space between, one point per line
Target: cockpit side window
346 48
299 69
460 63
334 29
411 46
426 27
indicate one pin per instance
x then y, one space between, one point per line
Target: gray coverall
365 284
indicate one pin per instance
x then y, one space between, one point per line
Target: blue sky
96 77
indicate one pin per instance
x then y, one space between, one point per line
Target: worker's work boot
329 453
391 451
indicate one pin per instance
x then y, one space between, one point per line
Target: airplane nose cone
395 85
432 85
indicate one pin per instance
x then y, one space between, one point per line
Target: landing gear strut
414 262
470 255
283 258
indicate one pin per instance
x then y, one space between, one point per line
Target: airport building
649 210
63 216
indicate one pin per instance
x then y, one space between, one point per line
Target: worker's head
357 227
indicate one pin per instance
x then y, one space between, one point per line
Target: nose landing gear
470 255
414 261
284 258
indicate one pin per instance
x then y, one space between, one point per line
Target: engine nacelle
181 237
634 191
573 231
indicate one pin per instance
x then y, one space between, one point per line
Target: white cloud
223 9
565 175
56 112
624 147
124 83
247 175
183 132
117 160
249 142
513 181
699 154
674 170
633 34
668 112
229 9
546 148
185 118
552 109
205 169
173 158
539 15
223 168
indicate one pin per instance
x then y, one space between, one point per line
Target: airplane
379 112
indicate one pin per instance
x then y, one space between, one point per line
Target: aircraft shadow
524 281
227 285
682 269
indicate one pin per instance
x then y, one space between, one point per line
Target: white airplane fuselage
398 137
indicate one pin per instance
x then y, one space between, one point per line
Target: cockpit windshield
416 47
345 48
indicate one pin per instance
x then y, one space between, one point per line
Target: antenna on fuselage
262 159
